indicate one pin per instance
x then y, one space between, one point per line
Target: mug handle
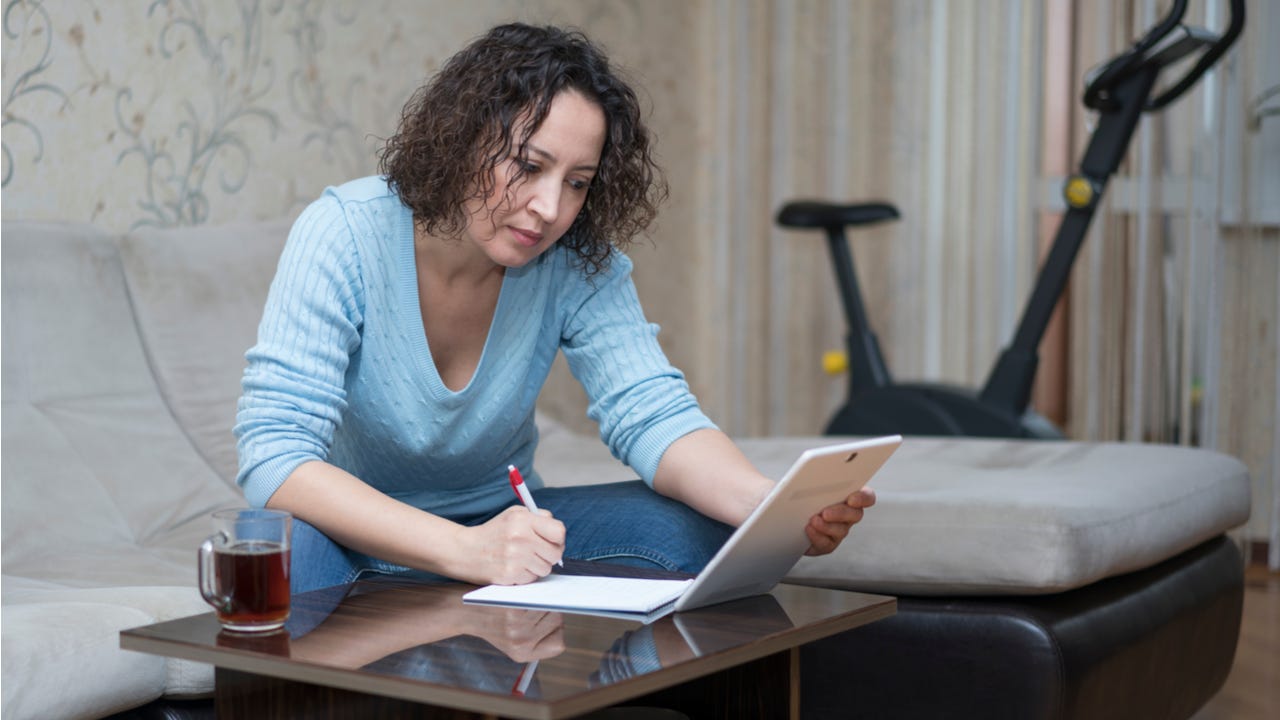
208 578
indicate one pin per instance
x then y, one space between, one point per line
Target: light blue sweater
342 372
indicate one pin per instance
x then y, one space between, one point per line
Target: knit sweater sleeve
640 401
292 392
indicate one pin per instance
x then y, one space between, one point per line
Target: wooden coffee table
395 648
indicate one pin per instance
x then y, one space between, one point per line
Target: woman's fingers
520 546
831 526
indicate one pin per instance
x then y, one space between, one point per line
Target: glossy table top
421 642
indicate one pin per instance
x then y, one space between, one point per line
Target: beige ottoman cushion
1008 517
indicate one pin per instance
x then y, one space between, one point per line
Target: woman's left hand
828 528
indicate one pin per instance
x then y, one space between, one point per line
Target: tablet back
773 538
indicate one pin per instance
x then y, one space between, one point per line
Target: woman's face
524 217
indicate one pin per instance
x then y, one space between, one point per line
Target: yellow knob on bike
1079 192
835 362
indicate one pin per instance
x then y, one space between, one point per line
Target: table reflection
427 633
683 636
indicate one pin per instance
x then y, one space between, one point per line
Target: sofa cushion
153 603
971 517
100 484
68 330
198 294
62 659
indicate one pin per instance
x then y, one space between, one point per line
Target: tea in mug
254 578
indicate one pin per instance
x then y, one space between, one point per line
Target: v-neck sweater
342 371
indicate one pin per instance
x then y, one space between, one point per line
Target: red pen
522 492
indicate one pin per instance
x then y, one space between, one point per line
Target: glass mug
244 569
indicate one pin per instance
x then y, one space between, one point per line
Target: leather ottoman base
1157 643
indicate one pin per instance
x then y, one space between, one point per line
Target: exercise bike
1120 91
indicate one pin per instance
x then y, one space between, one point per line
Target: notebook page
586 592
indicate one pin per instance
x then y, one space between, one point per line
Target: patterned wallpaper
134 113
129 113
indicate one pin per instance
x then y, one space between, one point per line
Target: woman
414 318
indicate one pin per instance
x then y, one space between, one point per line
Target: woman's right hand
515 547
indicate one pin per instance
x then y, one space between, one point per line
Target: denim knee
629 523
316 561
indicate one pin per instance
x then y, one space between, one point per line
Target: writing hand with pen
519 545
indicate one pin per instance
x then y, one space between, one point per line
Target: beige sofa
122 357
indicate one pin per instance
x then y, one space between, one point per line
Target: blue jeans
624 523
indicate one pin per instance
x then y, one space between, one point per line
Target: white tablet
768 544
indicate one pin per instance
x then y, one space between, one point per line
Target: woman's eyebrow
552 158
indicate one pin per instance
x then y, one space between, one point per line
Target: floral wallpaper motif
209 137
28 21
331 127
131 113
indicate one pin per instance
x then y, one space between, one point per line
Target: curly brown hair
457 128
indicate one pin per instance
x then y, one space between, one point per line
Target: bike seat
817 214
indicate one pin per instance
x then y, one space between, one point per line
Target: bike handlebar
1096 95
1210 56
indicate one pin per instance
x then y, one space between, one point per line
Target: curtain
1174 300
